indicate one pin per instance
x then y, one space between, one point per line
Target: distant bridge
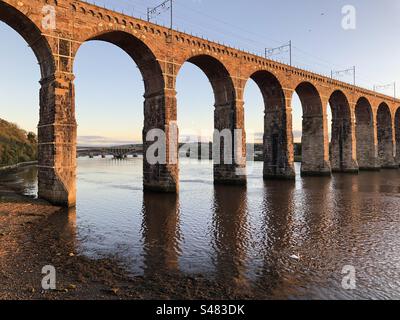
118 152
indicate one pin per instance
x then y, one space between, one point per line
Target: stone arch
275 138
56 128
32 35
159 108
385 136
228 156
140 53
342 142
397 134
315 158
219 77
366 151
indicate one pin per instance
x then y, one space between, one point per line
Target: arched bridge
365 124
118 152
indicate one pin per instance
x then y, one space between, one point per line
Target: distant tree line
16 145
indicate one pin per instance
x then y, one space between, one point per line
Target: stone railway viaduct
365 124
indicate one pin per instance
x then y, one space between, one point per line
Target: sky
109 87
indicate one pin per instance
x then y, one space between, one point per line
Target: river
292 237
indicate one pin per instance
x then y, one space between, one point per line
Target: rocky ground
34 233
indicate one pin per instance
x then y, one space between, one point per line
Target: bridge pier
366 136
367 147
341 148
229 147
315 147
278 136
343 143
396 127
278 139
57 140
315 139
385 134
160 167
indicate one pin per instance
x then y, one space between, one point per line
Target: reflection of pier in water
245 238
230 234
161 235
293 220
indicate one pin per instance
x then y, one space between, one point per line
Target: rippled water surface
246 236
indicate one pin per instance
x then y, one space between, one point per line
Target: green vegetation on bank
16 145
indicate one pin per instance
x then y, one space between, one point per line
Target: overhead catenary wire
256 44
247 39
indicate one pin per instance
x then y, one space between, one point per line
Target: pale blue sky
109 87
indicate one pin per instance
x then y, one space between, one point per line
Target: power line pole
345 72
386 86
269 52
172 15
157 10
394 89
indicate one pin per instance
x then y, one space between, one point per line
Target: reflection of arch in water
275 228
230 234
66 222
316 205
160 232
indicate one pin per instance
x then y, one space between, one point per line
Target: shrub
16 145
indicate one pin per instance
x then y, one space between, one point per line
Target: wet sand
34 233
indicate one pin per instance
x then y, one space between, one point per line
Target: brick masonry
364 130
